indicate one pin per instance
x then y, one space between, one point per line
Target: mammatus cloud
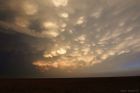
84 32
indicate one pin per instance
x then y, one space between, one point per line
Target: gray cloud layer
84 32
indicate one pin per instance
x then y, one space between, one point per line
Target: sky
69 38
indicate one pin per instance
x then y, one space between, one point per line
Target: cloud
84 32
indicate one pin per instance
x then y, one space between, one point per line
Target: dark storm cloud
106 30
